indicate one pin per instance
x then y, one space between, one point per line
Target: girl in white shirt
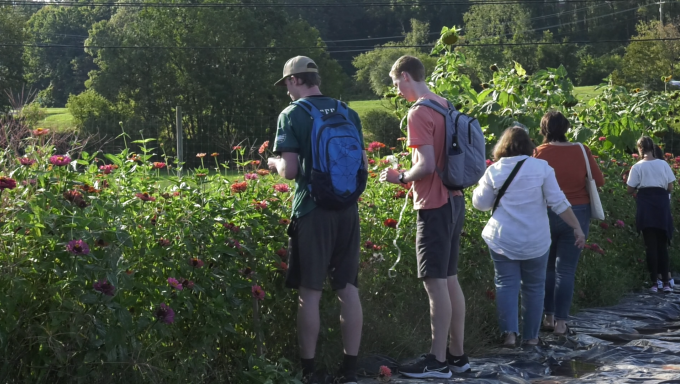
518 233
653 179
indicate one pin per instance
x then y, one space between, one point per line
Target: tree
645 62
225 88
373 68
59 73
11 66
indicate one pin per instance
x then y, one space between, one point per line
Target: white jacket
519 229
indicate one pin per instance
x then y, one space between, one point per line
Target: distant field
58 119
583 94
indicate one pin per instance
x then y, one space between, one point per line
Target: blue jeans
511 277
564 255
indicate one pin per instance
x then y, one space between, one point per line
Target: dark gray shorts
438 239
324 243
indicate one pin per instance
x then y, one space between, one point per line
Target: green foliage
645 62
32 114
593 70
382 126
11 66
94 114
373 68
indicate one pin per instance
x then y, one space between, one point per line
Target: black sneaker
459 364
426 366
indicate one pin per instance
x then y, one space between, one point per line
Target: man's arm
286 165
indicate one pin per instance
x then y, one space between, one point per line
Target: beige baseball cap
296 65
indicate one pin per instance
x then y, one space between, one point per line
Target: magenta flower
251 176
78 247
60 160
106 169
7 183
602 138
620 223
175 284
282 188
104 287
26 161
165 314
258 292
375 146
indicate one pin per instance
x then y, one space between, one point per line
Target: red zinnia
7 183
282 253
145 196
237 147
375 146
391 223
282 188
106 169
196 262
284 221
368 244
232 227
239 187
158 165
604 225
602 138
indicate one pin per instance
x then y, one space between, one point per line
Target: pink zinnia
175 284
635 155
282 188
78 247
375 146
620 223
104 287
251 176
385 372
60 160
258 292
40 132
237 147
26 161
165 314
196 262
602 138
263 147
106 169
260 205
159 165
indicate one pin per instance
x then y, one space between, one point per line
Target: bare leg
440 315
308 321
457 328
351 319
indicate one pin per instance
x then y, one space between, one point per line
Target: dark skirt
654 210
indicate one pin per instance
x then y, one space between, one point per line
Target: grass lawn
58 119
583 94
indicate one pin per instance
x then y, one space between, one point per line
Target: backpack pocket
455 168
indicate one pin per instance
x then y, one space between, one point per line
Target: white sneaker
653 289
659 283
671 283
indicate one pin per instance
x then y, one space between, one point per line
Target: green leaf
520 70
124 237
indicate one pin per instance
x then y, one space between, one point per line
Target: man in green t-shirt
322 242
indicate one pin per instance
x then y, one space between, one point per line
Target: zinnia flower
368 244
635 156
40 131
175 284
282 266
263 147
188 284
255 162
262 172
234 243
232 227
282 188
7 183
200 155
620 223
371 161
214 154
602 138
237 147
375 146
145 196
104 287
668 155
400 194
284 221
401 139
196 262
106 169
60 160
385 372
391 223
260 205
258 292
604 225
251 176
164 242
282 253
239 187
165 314
78 247
159 165
26 161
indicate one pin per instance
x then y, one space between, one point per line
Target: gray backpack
465 150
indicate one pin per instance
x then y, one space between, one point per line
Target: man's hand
390 175
272 163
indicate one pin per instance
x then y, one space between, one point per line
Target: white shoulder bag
596 211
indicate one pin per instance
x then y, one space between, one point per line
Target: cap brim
281 82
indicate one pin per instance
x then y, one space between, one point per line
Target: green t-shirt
293 134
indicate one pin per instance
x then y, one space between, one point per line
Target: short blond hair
411 65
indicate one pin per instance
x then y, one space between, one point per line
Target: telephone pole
661 12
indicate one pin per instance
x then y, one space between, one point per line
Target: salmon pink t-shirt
427 127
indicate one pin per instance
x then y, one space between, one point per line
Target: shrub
382 126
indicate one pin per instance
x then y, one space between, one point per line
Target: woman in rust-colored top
567 160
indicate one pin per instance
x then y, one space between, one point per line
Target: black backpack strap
507 184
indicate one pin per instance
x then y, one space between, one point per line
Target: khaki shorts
324 243
438 239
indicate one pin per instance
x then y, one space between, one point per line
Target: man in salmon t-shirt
441 214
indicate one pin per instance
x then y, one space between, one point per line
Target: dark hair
646 144
309 79
515 141
554 127
658 153
411 65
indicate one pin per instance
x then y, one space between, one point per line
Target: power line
288 5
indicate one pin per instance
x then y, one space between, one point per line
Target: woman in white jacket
518 233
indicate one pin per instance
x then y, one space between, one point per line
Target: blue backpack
338 171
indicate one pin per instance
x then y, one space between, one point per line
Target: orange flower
263 147
40 132
214 154
262 172
200 154
401 139
239 187
391 223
